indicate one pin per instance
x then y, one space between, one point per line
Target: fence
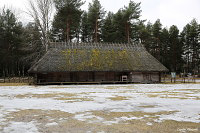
27 80
180 79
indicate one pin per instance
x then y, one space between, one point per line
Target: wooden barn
68 63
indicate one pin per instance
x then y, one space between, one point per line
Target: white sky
170 12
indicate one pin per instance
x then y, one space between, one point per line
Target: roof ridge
97 45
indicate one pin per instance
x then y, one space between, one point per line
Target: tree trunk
4 76
127 28
128 33
46 47
159 49
96 30
68 31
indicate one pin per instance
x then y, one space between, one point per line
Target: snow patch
138 100
21 127
51 124
88 116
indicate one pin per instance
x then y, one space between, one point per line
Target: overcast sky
170 12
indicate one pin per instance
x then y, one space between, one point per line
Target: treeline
21 46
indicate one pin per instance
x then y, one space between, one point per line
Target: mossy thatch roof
68 57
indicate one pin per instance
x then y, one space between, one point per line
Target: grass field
141 108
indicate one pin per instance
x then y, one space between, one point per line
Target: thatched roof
70 57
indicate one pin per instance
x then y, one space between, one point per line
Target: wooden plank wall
145 77
135 77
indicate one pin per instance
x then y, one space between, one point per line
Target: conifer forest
23 44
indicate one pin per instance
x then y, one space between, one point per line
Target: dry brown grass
38 115
176 94
68 97
112 115
66 122
47 95
74 99
118 98
147 106
189 90
57 87
14 84
117 87
180 82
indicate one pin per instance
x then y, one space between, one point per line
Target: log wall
145 77
135 77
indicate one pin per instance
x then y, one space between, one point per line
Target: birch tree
41 12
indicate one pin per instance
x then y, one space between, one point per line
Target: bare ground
144 117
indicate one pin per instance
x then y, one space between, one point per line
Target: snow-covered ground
36 109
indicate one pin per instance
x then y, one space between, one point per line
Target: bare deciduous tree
41 12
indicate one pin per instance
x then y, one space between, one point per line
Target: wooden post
93 75
164 76
23 73
194 76
13 78
35 79
9 78
19 76
184 77
105 76
28 79
4 77
159 77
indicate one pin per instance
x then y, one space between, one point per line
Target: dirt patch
153 95
62 122
190 90
112 115
171 97
60 87
103 120
176 94
68 97
168 126
118 98
119 87
147 106
146 124
41 117
14 84
48 95
74 99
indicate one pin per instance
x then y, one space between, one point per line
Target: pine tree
191 47
119 27
175 49
145 34
10 43
84 28
156 42
165 49
108 31
67 20
95 19
32 45
131 15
